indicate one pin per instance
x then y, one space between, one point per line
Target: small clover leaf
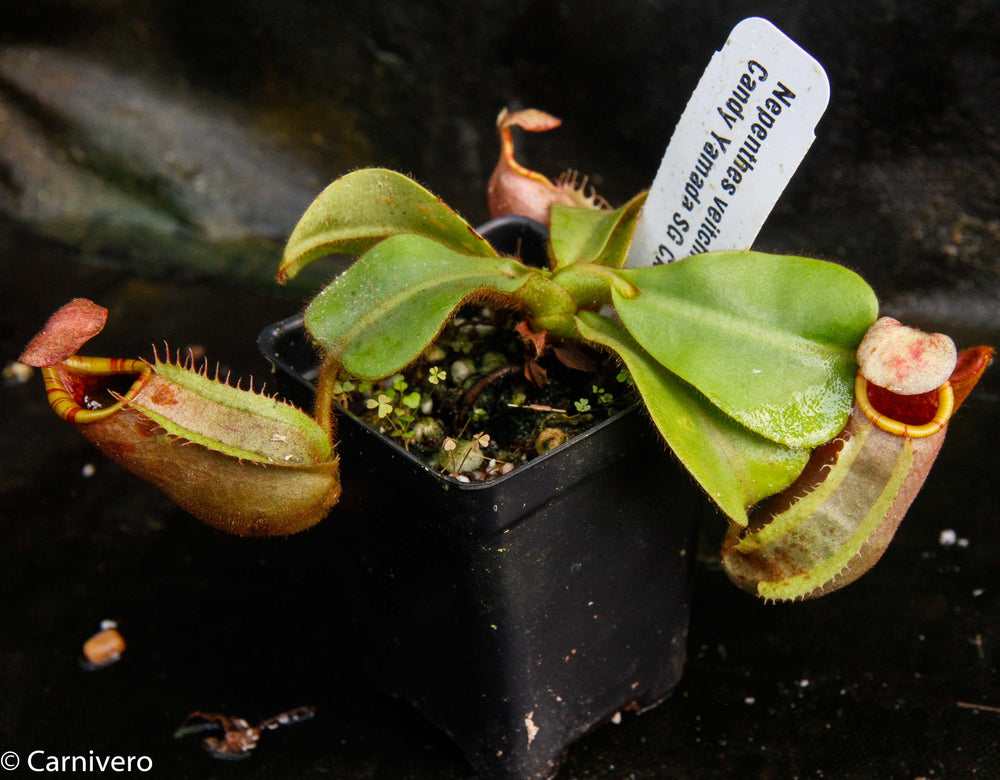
383 405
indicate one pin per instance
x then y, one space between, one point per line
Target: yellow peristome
945 408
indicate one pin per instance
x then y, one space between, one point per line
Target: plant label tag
746 128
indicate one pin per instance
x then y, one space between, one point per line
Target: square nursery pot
519 613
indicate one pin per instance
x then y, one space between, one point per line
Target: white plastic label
745 130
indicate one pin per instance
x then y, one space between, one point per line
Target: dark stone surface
902 184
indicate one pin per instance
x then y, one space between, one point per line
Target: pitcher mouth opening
914 416
85 389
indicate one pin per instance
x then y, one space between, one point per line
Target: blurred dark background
154 156
206 128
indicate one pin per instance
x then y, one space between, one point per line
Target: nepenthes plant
747 363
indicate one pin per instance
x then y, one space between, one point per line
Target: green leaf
770 340
364 207
586 235
384 311
734 465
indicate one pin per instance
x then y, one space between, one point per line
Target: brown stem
323 412
496 374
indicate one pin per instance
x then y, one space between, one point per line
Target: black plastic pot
520 613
